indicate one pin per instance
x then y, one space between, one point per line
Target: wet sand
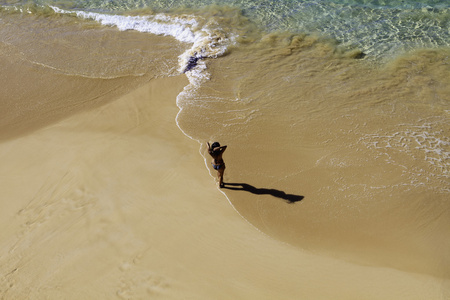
369 153
116 203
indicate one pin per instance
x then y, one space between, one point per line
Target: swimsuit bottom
218 167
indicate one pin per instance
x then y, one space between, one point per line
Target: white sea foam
180 28
208 40
420 142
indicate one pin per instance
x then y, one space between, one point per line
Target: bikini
217 167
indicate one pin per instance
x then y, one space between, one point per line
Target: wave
207 38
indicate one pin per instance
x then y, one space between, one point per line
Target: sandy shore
116 203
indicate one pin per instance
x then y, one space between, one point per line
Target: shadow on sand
276 193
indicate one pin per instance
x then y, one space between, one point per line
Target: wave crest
208 39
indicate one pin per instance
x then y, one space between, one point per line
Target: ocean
345 103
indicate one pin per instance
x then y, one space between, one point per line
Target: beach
116 202
337 159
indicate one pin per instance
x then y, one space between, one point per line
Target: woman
216 151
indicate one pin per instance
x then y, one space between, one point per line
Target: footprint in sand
57 202
138 283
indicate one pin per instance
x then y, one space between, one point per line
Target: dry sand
116 203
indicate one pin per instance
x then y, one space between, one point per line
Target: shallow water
345 104
367 148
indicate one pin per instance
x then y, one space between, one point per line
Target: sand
116 203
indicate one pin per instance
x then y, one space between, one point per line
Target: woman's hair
214 145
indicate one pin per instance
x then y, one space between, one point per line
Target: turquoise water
378 28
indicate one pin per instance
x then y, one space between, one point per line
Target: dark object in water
360 55
192 62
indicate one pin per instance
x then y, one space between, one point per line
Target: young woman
216 151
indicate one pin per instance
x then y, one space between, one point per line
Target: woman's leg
220 175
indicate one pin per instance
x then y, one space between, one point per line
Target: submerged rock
192 62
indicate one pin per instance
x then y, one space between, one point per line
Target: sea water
347 101
378 28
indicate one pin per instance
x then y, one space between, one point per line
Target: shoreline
114 203
361 200
336 167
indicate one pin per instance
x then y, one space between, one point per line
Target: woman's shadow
273 192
